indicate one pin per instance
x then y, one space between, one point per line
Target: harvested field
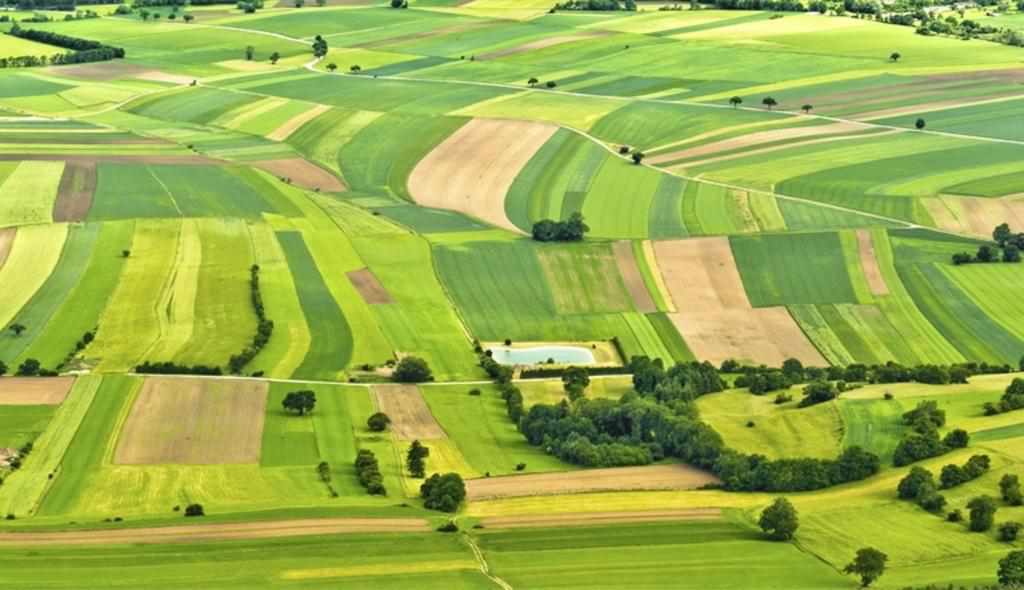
219 532
105 158
713 312
74 195
292 125
632 278
410 417
158 76
868 261
6 241
302 173
860 134
369 287
974 215
100 72
753 139
34 391
600 518
649 477
541 44
472 170
194 421
934 106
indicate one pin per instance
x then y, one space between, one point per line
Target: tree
818 392
769 102
1009 487
443 492
299 401
415 459
1011 569
869 564
378 422
735 101
638 157
274 57
17 328
144 14
911 486
779 520
983 512
919 124
3 368
550 84
399 4
1008 531
194 510
250 51
962 258
299 3
321 3
807 108
1001 234
29 368
319 46
575 376
952 476
355 68
188 18
532 82
895 56
956 439
1011 253
331 67
986 253
412 369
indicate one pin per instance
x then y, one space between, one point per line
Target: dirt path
599 518
410 416
472 170
650 477
218 532
868 261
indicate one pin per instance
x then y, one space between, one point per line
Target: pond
539 355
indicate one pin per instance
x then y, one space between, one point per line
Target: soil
292 125
34 391
650 477
302 173
472 170
632 277
369 287
74 196
410 416
6 241
868 261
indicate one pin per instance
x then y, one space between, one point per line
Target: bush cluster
170 368
922 441
368 471
1013 399
443 492
264 326
570 230
953 475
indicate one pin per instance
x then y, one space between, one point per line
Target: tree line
1008 248
569 230
82 50
264 326
922 440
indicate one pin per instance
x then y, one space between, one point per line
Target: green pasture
33 256
793 268
22 424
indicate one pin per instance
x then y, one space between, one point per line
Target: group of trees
443 492
368 471
264 326
596 5
1012 399
301 402
416 459
772 5
171 368
1009 243
82 50
920 487
570 230
412 369
660 419
780 522
922 440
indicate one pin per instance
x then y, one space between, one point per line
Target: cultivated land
159 212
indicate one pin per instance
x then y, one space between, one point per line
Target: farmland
259 276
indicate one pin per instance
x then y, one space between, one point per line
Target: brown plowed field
74 196
472 170
369 287
650 477
410 416
34 391
599 518
753 139
302 173
7 235
632 277
218 532
868 261
195 422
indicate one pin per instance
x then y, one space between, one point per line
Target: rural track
485 569
326 382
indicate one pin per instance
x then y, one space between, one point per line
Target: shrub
1008 531
378 422
194 510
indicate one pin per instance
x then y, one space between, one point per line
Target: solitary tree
1002 233
144 14
17 328
869 564
299 401
1008 531
378 422
319 46
550 84
983 512
895 56
919 124
188 18
1009 487
1011 569
412 369
331 67
779 520
355 68
769 102
443 492
250 51
807 108
29 368
194 510
300 3
274 57
638 157
735 101
532 82
415 459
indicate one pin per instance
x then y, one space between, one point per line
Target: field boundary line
485 569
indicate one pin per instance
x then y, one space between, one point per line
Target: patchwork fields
233 214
